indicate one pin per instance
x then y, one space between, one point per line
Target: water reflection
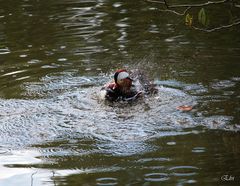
159 164
54 57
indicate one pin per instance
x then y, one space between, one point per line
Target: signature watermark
227 177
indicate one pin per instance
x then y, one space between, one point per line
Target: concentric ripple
107 181
156 177
184 170
68 107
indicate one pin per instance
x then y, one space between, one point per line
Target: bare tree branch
166 4
217 28
199 5
189 5
176 12
172 9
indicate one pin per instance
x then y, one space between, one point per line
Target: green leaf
202 17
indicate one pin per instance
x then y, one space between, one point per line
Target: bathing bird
121 88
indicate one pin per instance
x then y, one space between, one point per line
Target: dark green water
54 129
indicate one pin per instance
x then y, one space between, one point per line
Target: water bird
123 88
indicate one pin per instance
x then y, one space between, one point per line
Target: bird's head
122 78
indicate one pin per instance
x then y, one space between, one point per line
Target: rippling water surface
56 130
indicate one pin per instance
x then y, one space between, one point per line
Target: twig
165 2
217 28
172 9
200 5
189 5
175 12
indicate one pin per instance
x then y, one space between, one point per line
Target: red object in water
185 108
